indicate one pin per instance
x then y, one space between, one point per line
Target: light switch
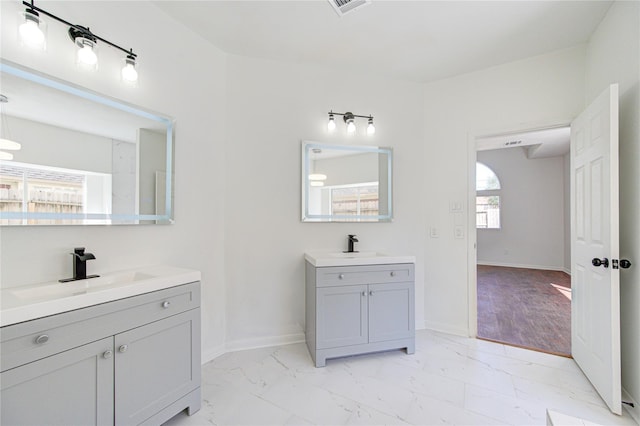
455 206
433 232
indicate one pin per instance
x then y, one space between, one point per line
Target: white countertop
24 303
325 259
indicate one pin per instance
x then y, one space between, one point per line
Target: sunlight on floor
566 292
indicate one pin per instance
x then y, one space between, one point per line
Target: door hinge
614 263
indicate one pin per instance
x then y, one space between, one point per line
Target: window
487 198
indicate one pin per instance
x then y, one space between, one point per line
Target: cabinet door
155 365
74 387
391 311
341 316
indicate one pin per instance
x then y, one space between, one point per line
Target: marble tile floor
450 380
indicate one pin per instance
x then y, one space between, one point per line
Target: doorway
523 290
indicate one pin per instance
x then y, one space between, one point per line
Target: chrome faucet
80 265
350 244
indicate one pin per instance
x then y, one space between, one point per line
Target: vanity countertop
327 259
24 303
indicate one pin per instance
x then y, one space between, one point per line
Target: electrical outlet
458 231
455 207
433 232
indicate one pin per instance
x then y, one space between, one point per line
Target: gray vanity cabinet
73 387
358 309
127 362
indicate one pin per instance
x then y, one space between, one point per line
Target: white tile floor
449 380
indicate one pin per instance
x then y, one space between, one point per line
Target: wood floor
525 307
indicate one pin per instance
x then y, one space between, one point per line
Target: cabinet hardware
42 339
393 273
107 354
371 293
364 293
166 304
123 348
341 276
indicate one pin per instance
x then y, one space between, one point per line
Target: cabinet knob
166 304
43 338
364 293
371 293
341 276
393 273
107 354
123 348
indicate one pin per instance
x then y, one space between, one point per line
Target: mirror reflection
346 183
71 156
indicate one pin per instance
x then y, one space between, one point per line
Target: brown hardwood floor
525 307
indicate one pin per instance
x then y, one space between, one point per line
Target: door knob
625 264
597 262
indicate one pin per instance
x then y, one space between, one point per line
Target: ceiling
417 41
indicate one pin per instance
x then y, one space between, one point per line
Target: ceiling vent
342 7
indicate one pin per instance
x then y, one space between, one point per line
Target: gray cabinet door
74 387
391 311
155 365
341 316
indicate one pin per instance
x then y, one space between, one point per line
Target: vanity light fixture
350 118
31 31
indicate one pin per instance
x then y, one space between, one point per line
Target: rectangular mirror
346 183
81 158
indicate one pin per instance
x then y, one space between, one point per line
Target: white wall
518 95
272 107
171 81
613 57
531 212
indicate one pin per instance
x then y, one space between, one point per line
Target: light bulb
30 32
86 56
10 145
351 127
331 125
6 156
129 72
371 129
317 176
316 183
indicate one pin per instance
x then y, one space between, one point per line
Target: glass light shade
86 56
371 129
331 125
316 183
31 30
8 156
129 73
9 145
351 126
317 176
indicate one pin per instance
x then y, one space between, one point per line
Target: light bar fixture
32 33
349 119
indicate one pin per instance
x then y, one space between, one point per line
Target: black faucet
352 240
80 265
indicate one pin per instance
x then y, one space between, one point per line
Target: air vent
343 7
511 143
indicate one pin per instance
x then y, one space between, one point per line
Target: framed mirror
346 183
71 156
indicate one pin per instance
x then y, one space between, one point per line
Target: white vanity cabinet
126 362
358 309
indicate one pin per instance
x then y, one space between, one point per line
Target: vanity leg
411 349
320 361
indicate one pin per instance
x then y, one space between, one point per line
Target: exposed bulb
371 129
316 183
351 127
331 125
86 55
10 145
30 32
129 72
6 156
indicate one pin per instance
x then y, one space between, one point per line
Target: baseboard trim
633 411
264 342
446 328
519 265
212 354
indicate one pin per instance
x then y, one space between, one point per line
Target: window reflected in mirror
346 183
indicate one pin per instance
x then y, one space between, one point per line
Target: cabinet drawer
33 340
371 274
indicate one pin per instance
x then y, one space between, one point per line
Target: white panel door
595 277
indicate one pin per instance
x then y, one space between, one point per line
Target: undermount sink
74 288
322 259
